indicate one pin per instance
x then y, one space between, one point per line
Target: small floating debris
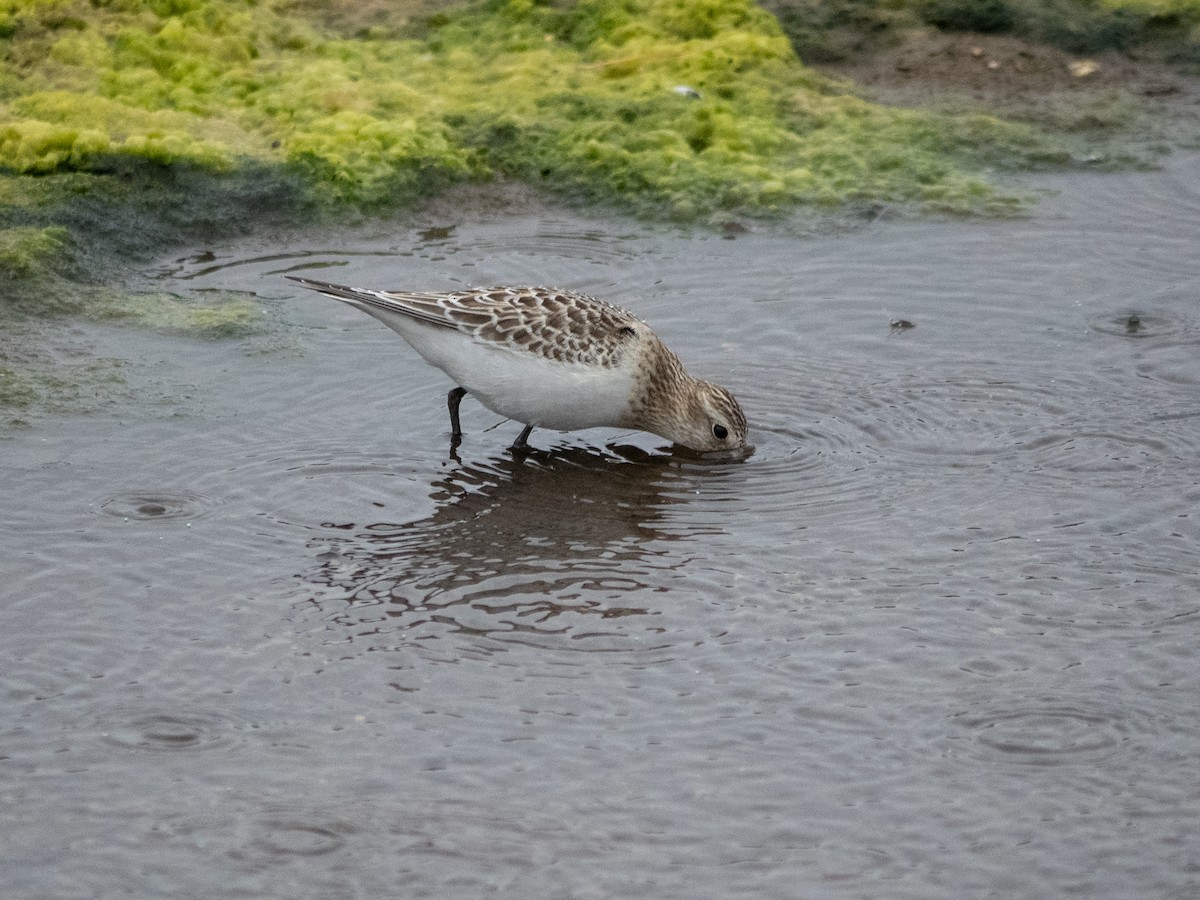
902 325
1082 68
684 91
436 233
1160 89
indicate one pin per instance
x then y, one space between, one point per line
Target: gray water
263 636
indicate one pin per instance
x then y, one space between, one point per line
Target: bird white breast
520 385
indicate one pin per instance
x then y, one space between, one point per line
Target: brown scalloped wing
559 325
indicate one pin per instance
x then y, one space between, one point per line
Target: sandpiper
554 359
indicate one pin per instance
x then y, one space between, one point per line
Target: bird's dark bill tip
733 454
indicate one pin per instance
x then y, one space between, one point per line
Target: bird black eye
720 432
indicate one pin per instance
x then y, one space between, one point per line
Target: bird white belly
523 386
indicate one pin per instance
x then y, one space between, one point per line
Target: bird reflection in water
561 550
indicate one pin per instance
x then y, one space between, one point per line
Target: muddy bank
1130 110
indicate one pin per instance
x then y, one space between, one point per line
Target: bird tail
337 291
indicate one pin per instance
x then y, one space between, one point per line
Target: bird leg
452 400
520 442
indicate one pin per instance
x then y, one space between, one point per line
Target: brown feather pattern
564 326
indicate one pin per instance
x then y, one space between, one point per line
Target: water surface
263 636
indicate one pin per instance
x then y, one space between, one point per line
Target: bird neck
660 385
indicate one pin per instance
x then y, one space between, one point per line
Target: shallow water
936 637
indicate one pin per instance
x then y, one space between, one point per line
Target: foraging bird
554 359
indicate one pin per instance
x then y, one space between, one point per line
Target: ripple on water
1161 333
280 837
1139 324
1049 733
497 563
562 240
532 257
1170 313
207 264
1112 459
1161 211
151 505
174 731
965 422
968 424
521 256
867 446
291 478
854 448
256 835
